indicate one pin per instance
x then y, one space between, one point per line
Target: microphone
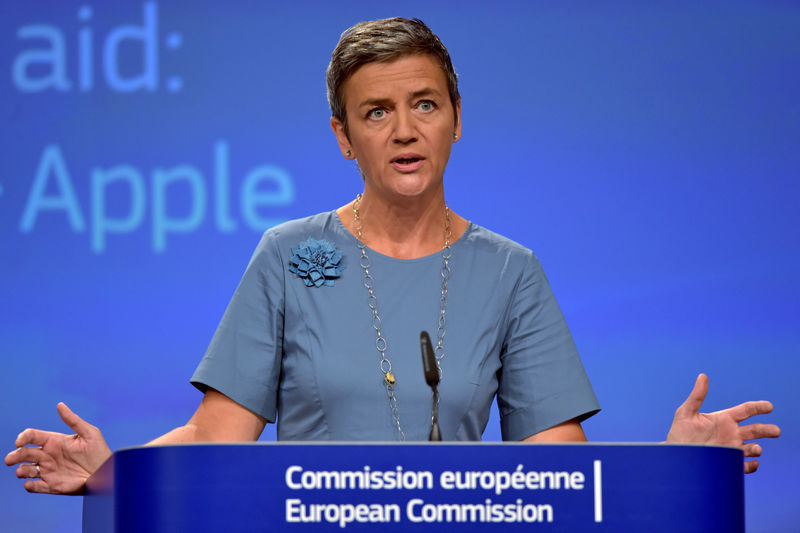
431 371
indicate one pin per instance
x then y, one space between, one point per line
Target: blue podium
417 487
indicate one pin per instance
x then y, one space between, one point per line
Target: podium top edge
424 443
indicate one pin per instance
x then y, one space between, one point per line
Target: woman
323 327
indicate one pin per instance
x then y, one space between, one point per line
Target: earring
349 153
455 136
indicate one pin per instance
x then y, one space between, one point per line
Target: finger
38 485
26 454
11 458
28 471
759 431
694 402
743 411
752 450
78 425
37 437
749 467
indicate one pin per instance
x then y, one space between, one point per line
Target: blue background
648 153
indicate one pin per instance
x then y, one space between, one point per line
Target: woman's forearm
182 434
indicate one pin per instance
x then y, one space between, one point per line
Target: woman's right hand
64 462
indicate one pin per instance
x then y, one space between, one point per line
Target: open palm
721 427
64 462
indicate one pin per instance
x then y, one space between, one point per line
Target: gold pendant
389 378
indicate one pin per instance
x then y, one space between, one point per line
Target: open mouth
408 162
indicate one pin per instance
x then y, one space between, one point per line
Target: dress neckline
437 254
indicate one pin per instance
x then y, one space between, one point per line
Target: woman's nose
404 128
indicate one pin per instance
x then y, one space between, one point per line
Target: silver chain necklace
385 364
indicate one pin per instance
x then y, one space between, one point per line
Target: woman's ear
457 131
341 137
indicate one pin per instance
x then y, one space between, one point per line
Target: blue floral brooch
317 263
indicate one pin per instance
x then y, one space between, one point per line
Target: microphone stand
432 379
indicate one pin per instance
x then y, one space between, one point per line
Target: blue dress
307 353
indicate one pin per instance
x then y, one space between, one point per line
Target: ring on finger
38 470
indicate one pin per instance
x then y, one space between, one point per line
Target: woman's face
401 125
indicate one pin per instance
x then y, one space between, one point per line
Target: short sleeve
542 382
243 360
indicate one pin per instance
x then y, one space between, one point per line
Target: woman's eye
426 106
377 113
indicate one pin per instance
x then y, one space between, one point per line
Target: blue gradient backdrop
648 153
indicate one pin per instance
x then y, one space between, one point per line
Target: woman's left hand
721 427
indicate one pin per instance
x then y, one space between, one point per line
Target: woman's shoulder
319 226
278 241
485 241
